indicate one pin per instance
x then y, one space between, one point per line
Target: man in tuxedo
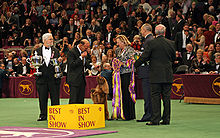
23 68
143 73
217 34
189 55
179 26
182 39
47 83
161 54
215 68
76 66
105 20
108 36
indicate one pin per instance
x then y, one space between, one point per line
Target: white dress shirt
46 55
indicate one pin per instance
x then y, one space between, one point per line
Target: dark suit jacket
75 68
47 72
67 28
178 28
188 62
94 29
161 54
104 22
20 68
179 41
143 71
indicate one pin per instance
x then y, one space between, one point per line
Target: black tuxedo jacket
188 62
143 71
47 72
178 28
161 54
75 68
20 68
179 41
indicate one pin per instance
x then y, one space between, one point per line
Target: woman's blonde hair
123 39
199 51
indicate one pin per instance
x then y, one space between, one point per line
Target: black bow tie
47 48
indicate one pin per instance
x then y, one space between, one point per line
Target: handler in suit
47 83
76 66
143 73
161 53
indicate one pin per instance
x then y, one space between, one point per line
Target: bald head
84 44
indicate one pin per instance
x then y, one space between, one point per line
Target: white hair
160 29
46 36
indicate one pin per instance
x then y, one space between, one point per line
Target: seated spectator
206 63
76 40
189 55
177 62
216 65
16 63
197 66
217 47
96 66
107 74
53 20
27 42
23 53
99 37
211 52
110 56
63 64
136 44
65 46
96 51
23 68
8 62
3 74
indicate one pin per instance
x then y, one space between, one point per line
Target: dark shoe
41 119
164 123
142 120
151 123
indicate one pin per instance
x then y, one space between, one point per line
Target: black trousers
158 90
147 99
44 89
128 104
77 94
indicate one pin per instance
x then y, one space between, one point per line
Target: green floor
187 120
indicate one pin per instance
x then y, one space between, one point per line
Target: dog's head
100 80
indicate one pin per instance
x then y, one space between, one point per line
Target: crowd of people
112 28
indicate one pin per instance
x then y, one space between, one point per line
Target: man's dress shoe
151 123
42 119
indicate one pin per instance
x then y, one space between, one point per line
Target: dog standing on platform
100 93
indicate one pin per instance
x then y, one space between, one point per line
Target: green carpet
187 120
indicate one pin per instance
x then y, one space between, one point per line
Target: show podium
76 116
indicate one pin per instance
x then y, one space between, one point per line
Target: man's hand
84 54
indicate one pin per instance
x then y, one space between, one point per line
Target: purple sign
30 132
